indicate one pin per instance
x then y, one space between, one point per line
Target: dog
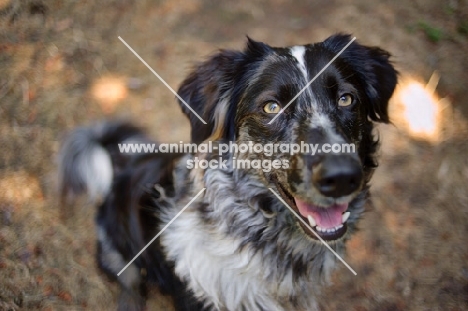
237 246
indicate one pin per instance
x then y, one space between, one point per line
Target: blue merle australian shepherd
237 246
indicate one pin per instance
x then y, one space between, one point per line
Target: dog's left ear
375 72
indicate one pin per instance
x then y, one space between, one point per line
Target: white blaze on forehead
298 52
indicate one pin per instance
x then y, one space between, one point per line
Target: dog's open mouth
329 223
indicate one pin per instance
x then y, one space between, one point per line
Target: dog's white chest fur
214 269
227 277
220 274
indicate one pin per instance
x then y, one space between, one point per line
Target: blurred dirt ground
62 66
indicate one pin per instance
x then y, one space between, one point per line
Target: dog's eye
345 100
272 107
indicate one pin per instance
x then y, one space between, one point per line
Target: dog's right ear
207 91
214 87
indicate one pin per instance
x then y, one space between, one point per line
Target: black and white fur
237 247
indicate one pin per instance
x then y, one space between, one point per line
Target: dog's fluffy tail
89 157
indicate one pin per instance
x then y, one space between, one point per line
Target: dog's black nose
337 175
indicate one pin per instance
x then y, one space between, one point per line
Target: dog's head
239 93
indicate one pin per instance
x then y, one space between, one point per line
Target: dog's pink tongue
329 217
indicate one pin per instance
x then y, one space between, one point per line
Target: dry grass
61 65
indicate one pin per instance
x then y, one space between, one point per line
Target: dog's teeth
312 221
328 230
345 217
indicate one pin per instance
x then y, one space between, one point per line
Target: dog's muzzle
336 178
337 175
